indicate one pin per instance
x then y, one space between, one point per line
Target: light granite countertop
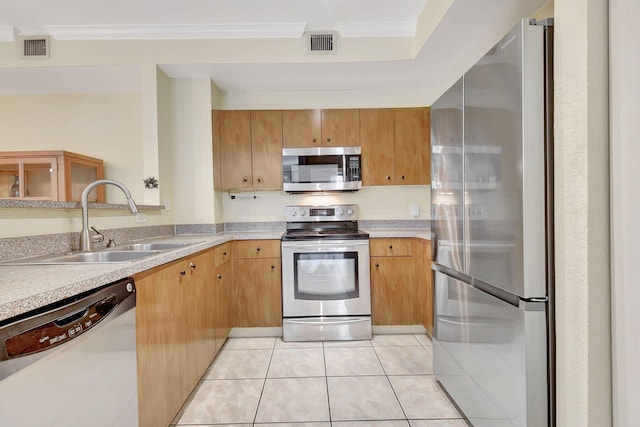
28 287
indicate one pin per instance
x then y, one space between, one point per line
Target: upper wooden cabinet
266 149
341 128
301 128
395 146
235 149
49 175
412 146
321 128
250 149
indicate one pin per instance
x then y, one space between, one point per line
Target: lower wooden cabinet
224 279
392 290
177 329
401 282
258 290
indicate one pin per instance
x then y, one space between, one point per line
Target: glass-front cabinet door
35 179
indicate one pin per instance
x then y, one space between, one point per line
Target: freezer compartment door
490 355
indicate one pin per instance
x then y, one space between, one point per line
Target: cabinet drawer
258 248
222 253
390 247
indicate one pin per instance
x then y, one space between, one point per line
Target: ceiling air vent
35 47
322 43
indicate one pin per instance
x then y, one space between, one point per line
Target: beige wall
99 125
582 214
107 126
374 202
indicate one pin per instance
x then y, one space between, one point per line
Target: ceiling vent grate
323 43
35 47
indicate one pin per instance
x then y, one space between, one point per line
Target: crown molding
376 29
176 32
7 33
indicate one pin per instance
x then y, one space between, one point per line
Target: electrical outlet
415 211
140 217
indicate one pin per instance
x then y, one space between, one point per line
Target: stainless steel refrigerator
492 222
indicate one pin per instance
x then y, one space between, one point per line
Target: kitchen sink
98 257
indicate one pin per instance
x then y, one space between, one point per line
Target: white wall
582 214
625 203
193 201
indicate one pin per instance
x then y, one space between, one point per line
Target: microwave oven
321 169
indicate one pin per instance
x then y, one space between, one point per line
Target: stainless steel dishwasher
72 363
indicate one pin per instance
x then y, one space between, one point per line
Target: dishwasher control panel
62 324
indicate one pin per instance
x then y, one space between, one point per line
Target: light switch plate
415 211
140 217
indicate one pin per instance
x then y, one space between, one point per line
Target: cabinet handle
192 266
391 247
245 179
377 265
224 254
388 178
402 177
260 180
273 267
314 140
258 249
219 276
182 273
328 139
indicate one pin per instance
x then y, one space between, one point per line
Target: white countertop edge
27 287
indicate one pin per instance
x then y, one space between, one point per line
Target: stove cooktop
334 234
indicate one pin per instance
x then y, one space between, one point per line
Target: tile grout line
264 383
386 375
326 382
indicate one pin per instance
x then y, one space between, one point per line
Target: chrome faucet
85 239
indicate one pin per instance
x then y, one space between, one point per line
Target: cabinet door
201 307
160 338
301 128
423 285
266 148
225 304
412 146
341 128
391 290
259 292
215 141
235 149
377 139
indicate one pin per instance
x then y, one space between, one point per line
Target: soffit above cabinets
189 19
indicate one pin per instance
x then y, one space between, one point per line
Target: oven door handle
326 321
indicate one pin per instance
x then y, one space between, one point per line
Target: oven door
325 278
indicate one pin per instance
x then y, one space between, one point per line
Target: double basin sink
120 254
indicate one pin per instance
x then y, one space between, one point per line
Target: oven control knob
293 213
303 213
340 211
349 211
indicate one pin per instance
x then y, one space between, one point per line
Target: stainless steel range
325 275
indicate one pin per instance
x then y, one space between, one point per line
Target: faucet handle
112 243
99 237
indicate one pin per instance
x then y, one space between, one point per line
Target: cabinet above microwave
321 169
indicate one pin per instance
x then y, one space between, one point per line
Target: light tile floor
385 382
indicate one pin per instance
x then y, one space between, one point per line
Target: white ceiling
467 30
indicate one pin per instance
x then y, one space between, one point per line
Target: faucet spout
85 239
